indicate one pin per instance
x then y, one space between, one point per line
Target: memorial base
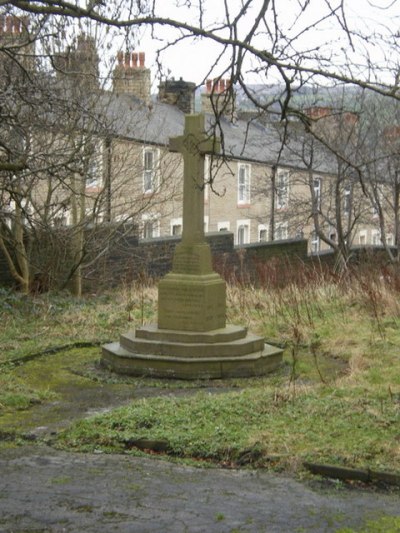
221 353
191 302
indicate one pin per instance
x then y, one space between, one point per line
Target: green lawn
336 398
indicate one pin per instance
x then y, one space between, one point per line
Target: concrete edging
353 474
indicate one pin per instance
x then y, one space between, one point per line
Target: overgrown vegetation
335 400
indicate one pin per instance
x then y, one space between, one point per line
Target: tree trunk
78 214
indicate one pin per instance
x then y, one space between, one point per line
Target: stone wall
128 259
151 259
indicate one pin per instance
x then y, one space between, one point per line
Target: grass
385 524
335 400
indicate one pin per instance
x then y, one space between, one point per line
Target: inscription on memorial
192 307
188 264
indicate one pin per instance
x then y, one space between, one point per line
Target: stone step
249 344
123 361
228 334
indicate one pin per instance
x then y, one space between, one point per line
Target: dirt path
43 490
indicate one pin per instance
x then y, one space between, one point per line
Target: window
94 169
282 189
61 216
347 200
176 226
317 193
377 204
362 238
243 232
315 243
262 233
151 226
150 170
376 237
281 231
176 229
243 184
223 226
148 229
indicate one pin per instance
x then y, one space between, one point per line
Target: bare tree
57 183
295 45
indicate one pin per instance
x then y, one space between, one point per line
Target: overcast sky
191 59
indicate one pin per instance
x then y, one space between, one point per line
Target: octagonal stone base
220 353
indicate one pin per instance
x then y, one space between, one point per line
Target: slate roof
130 118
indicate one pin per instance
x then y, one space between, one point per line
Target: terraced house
96 155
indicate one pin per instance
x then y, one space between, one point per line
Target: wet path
45 490
51 491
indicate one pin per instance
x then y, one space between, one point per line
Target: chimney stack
219 97
79 63
179 93
14 34
12 26
131 76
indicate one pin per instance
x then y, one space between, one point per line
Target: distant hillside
304 96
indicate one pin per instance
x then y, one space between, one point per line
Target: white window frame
281 231
389 239
282 189
94 175
176 222
10 213
243 183
223 226
315 243
245 226
317 188
376 204
347 200
150 174
376 237
155 221
206 223
62 217
362 235
262 228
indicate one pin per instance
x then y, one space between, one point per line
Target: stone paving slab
45 490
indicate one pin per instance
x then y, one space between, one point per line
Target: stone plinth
191 303
222 353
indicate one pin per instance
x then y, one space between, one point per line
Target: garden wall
126 259
131 259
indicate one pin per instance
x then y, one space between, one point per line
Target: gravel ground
45 490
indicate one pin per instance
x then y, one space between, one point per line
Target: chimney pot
120 57
221 86
127 59
209 86
134 60
141 59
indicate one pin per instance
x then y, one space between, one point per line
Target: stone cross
194 144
